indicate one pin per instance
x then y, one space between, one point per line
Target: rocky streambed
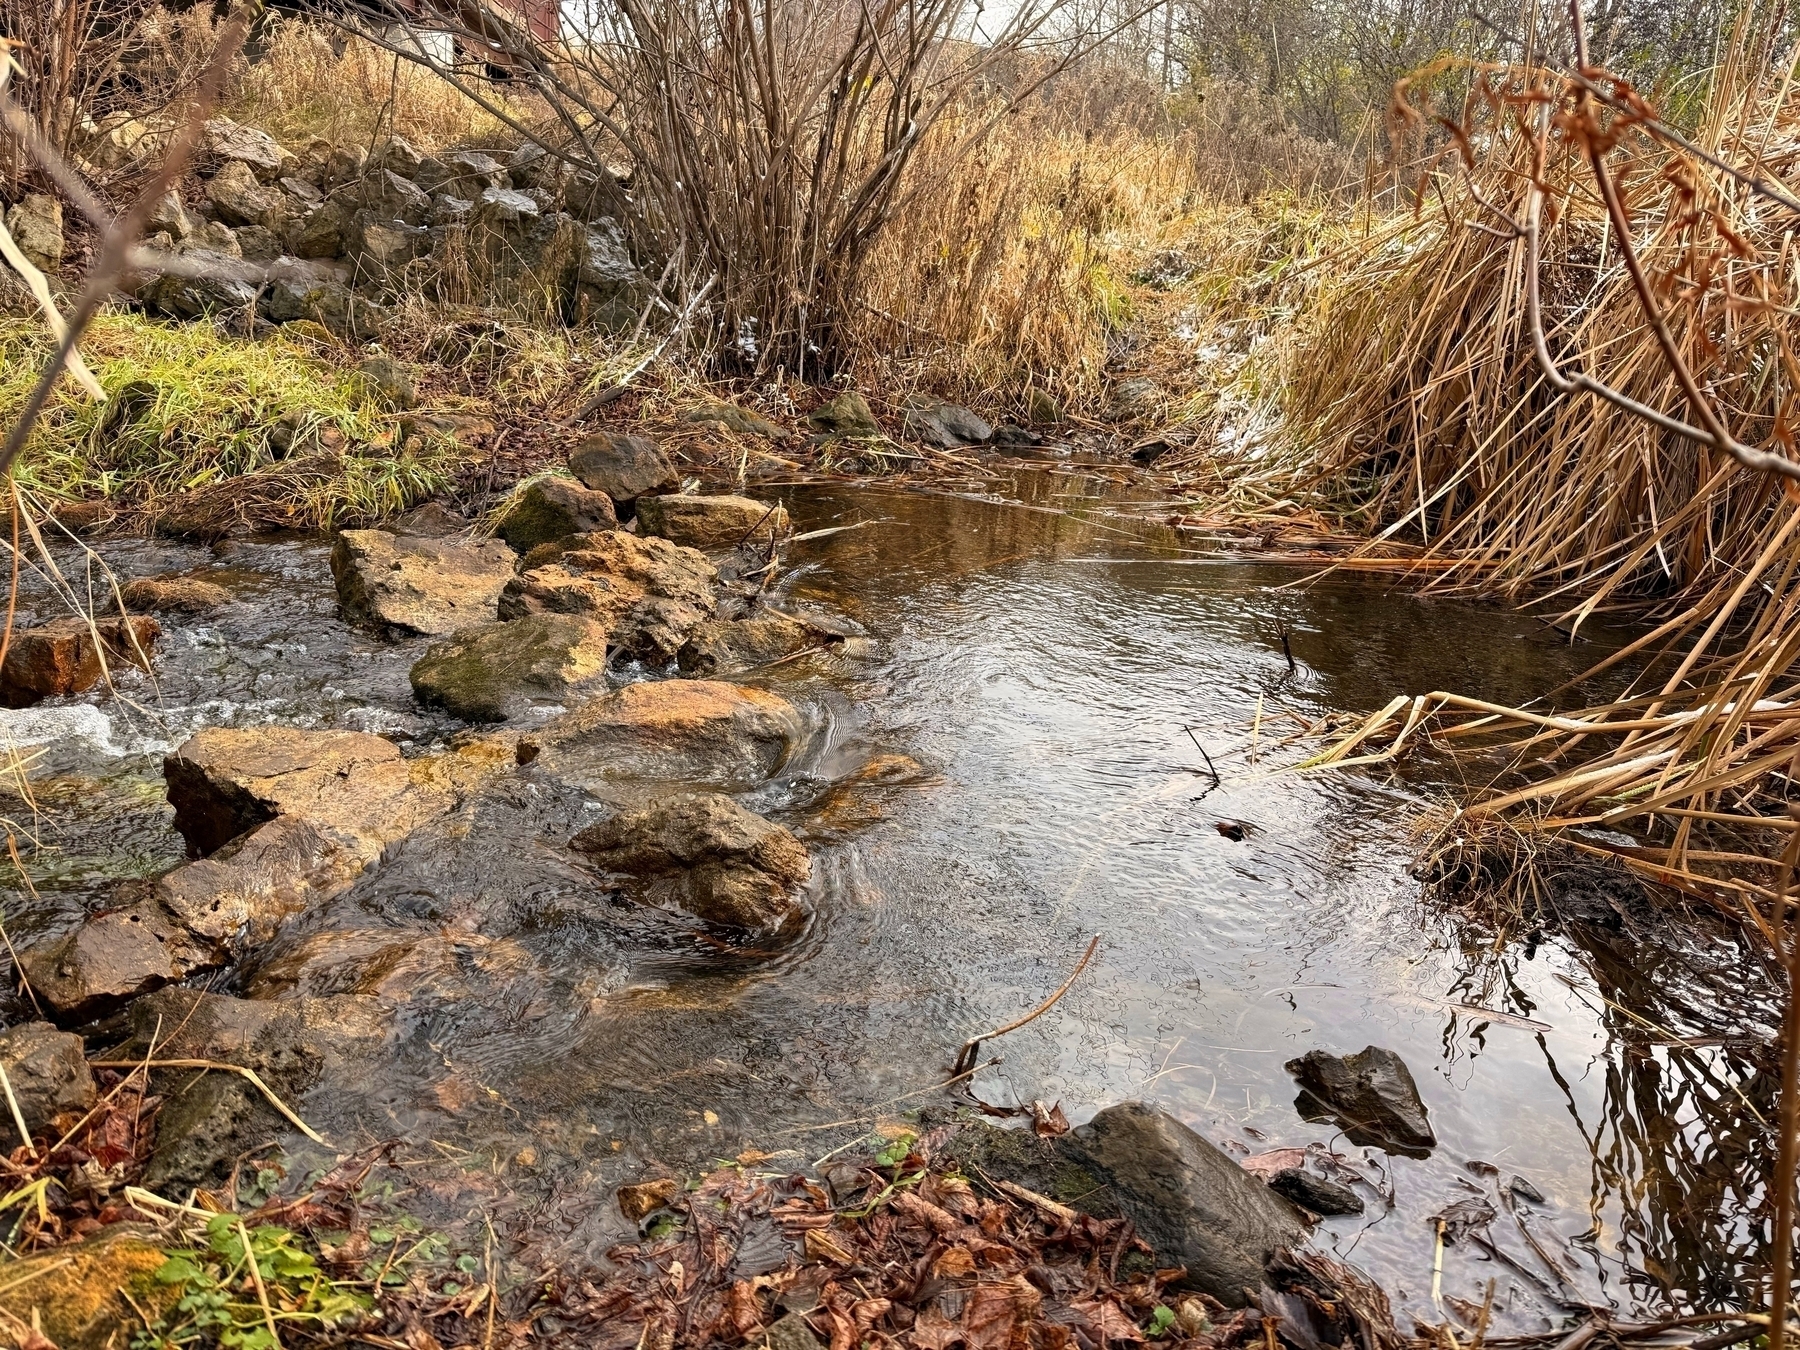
588 855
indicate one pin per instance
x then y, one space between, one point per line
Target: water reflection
1064 681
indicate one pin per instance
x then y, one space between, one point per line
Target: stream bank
1010 762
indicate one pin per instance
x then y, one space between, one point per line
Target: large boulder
1371 1094
36 225
711 522
86 1295
623 467
687 731
554 508
703 853
651 593
48 1073
496 671
419 584
726 646
68 656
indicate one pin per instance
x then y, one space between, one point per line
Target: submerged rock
1371 1094
48 1072
1315 1193
552 509
82 1295
68 656
418 583
712 522
946 425
392 966
623 467
703 853
726 646
687 731
181 595
495 671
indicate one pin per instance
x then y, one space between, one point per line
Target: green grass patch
189 408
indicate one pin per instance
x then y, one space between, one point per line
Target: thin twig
966 1056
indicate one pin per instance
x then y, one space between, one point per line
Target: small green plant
1160 1322
222 1302
894 1152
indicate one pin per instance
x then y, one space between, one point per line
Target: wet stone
651 593
418 583
174 594
726 646
62 656
1315 1193
111 958
683 731
711 522
552 509
48 1073
496 671
702 853
1371 1094
646 1197
946 425
623 467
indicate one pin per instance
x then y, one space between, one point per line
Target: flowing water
1062 679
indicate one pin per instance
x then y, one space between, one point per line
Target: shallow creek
1055 672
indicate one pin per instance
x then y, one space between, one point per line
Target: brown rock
552 509
48 1072
418 583
711 522
703 853
62 656
112 957
725 646
651 593
623 467
181 595
691 731
392 966
645 1197
84 1295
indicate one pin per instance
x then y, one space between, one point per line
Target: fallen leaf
1048 1122
1107 1320
954 1264
989 1317
1266 1165
933 1331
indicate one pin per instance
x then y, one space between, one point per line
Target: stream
1061 676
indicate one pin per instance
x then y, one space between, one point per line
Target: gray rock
382 248
1135 398
554 508
259 244
533 166
396 155
322 233
712 522
306 195
728 646
448 210
191 297
846 415
623 467
945 425
49 1075
702 853
36 225
235 197
1371 1094
493 672
503 207
419 584
232 143
791 1332
469 173
1315 1193
344 164
215 236
610 291
170 217
1192 1204
730 417
320 292
388 197
431 520
703 732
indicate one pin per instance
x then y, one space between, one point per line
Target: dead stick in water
965 1058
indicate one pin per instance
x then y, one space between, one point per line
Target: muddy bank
1004 765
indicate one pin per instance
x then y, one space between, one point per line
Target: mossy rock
84 1295
846 415
732 418
552 509
499 670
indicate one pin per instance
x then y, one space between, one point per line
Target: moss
76 1293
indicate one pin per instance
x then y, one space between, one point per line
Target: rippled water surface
1061 677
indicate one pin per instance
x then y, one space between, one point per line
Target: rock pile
330 230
